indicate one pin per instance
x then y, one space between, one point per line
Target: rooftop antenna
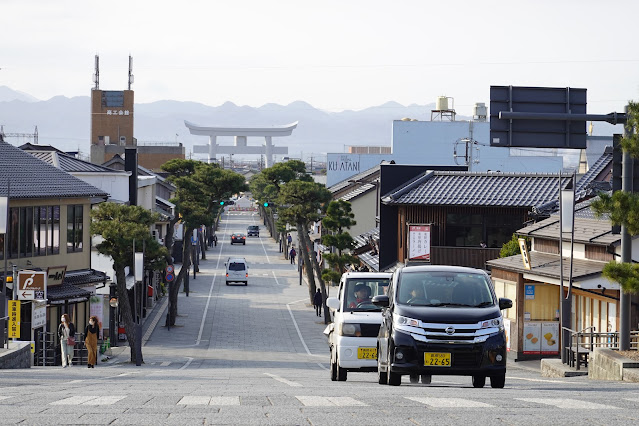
130 71
96 75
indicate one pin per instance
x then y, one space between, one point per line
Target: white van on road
352 336
236 270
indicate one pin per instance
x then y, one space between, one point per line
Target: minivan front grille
466 359
369 330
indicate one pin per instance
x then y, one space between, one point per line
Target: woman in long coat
91 341
66 331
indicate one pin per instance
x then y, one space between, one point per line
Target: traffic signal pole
626 250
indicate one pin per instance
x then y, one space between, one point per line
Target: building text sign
419 242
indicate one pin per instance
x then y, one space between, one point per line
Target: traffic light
221 203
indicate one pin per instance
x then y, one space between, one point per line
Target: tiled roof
360 189
370 259
362 240
85 276
33 178
71 164
368 174
594 174
66 291
477 189
547 265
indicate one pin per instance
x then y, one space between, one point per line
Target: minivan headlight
349 329
492 323
405 321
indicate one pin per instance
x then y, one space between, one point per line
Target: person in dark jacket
317 301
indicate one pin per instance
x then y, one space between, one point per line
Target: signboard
525 256
419 242
178 231
3 214
32 285
139 266
38 314
55 275
550 337
14 319
96 308
529 291
548 129
532 337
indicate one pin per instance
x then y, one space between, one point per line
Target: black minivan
441 320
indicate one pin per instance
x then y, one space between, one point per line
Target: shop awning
70 293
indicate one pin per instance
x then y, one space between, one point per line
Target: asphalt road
257 355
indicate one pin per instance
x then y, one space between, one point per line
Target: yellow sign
32 347
525 256
14 319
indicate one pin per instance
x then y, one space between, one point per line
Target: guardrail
583 342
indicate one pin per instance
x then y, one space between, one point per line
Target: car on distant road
239 238
352 336
253 230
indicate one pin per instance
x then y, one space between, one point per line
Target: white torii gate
241 133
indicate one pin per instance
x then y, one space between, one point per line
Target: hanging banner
419 242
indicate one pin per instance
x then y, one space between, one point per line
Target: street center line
283 380
187 363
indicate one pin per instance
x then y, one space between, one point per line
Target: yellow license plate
436 359
367 353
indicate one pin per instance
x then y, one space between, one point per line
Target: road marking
187 363
276 280
299 333
330 401
74 400
75 381
225 400
206 309
105 400
165 364
283 380
194 400
450 402
569 403
539 380
263 248
3 397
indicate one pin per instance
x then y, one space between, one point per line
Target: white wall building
441 143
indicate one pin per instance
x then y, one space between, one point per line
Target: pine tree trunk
304 251
175 287
318 272
125 310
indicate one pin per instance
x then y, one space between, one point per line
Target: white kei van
236 270
352 336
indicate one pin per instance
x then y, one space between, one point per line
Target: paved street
257 355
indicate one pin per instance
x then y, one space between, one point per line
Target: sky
333 54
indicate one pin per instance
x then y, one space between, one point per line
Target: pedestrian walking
289 239
317 301
91 333
66 334
292 255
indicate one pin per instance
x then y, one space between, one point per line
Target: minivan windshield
236 266
431 288
359 292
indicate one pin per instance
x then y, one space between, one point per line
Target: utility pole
626 248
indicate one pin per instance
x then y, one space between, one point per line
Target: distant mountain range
65 122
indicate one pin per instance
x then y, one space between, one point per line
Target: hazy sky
334 54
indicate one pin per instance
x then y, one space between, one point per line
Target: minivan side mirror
505 303
382 301
333 303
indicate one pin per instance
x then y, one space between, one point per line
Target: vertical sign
525 256
550 337
38 314
14 319
139 266
419 242
532 337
